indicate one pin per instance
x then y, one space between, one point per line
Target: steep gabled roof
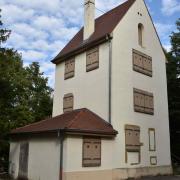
104 25
81 121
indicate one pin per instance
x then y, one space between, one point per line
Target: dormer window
140 34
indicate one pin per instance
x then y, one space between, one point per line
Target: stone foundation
118 174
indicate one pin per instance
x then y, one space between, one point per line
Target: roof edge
82 48
70 132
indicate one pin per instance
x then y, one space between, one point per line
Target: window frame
154 131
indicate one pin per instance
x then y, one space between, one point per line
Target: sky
41 28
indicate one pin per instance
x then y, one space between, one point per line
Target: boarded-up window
68 102
23 160
153 160
143 102
140 34
132 138
91 152
69 68
92 59
142 63
152 139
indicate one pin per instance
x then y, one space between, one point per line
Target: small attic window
140 34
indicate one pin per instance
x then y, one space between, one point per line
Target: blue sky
41 28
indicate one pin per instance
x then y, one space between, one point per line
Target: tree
4 33
25 96
173 81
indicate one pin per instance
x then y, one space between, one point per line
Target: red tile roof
104 25
81 121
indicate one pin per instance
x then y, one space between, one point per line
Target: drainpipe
61 136
110 74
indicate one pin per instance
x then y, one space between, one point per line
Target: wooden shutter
149 103
91 152
138 100
68 103
92 59
143 101
69 68
132 138
142 63
23 161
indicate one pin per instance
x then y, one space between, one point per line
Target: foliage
25 96
4 33
173 81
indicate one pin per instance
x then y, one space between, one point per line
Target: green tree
4 33
25 96
173 81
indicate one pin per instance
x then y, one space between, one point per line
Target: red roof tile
104 25
77 121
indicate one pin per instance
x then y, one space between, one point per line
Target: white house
110 111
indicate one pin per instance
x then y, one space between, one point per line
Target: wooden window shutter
92 59
142 63
138 100
132 138
143 101
68 102
69 68
91 152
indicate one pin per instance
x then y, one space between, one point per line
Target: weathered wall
44 158
90 89
124 79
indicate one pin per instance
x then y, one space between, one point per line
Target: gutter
109 37
61 136
82 48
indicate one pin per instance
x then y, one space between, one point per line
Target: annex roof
81 121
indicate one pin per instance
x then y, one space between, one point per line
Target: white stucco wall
73 155
43 161
124 79
90 89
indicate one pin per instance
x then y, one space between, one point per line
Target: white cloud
13 13
167 47
32 55
164 30
170 7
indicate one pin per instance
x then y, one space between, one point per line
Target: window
132 144
142 63
132 137
92 59
91 152
140 34
143 102
23 160
68 103
152 139
69 68
153 160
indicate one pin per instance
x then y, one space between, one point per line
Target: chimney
89 18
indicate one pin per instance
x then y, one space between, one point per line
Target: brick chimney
89 18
